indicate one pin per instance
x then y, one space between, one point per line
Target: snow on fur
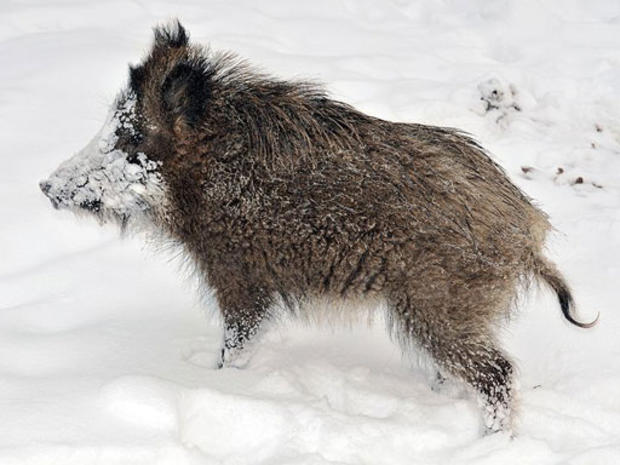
102 179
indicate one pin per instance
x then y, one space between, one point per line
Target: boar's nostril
45 186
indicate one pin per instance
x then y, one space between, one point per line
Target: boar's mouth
93 206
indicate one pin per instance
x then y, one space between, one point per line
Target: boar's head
118 176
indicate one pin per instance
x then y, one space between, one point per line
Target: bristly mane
289 113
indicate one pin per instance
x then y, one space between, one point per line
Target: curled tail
550 274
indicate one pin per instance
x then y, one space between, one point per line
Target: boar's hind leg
243 311
468 354
488 371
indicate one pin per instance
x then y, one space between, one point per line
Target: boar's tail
550 274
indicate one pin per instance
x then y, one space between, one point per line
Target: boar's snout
46 187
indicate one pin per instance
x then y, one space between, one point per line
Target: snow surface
106 354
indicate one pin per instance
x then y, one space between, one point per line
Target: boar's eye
129 137
135 158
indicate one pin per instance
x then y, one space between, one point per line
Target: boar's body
348 205
280 194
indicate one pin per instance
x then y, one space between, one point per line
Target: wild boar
280 194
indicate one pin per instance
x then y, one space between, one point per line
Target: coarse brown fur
279 192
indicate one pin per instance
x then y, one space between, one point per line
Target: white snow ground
105 353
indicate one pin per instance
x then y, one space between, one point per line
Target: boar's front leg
243 310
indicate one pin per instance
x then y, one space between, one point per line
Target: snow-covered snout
110 177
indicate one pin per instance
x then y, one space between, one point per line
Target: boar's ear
172 35
136 78
186 91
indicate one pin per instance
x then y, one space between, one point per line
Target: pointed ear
186 92
172 35
136 78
